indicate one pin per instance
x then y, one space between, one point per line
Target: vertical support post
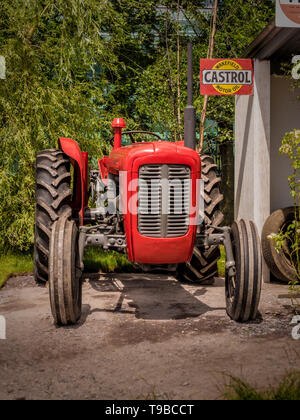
190 74
190 111
252 151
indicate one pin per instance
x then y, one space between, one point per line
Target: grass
97 260
287 390
11 264
221 262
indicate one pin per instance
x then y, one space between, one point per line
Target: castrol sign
226 77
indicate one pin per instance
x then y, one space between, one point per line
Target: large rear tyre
203 266
65 286
279 263
53 198
243 291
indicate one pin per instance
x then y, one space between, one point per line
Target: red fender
79 160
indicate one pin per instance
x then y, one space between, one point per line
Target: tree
55 86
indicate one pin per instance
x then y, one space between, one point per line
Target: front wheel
244 289
65 286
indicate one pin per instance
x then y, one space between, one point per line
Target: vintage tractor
156 201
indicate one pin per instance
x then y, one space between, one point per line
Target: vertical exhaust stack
190 111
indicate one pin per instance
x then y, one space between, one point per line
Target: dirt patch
19 282
140 336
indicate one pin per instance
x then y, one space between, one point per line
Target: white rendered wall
252 151
285 116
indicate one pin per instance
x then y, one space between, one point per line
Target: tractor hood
125 162
130 158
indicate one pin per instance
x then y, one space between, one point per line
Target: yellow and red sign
226 76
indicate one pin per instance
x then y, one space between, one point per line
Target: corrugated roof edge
261 40
274 41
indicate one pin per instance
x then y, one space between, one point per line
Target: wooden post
209 55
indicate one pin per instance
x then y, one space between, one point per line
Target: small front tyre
65 286
244 289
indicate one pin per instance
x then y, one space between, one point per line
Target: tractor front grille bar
164 200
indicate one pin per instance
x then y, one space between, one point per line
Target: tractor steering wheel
132 133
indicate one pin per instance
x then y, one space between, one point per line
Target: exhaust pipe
190 110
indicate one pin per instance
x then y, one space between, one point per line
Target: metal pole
190 111
190 73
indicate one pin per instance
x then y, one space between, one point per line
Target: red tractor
156 201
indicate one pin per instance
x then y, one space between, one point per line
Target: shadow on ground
148 297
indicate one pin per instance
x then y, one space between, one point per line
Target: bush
288 389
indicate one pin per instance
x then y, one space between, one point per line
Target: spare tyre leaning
278 262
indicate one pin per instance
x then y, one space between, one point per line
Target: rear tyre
243 291
53 198
65 286
203 266
278 262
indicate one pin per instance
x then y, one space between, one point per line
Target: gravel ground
141 336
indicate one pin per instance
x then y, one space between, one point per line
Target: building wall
285 116
252 152
252 149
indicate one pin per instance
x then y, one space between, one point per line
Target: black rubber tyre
243 291
203 266
53 198
278 262
65 286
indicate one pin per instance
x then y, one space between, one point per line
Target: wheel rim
231 289
231 281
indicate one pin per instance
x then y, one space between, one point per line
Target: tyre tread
203 266
53 198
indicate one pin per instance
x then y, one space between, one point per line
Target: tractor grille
164 200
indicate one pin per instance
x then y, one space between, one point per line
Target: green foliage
287 390
291 147
222 262
51 89
238 23
289 238
12 264
294 292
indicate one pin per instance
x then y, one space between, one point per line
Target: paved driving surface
140 336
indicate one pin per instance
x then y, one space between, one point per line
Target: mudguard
79 160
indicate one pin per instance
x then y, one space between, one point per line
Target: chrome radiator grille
164 200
